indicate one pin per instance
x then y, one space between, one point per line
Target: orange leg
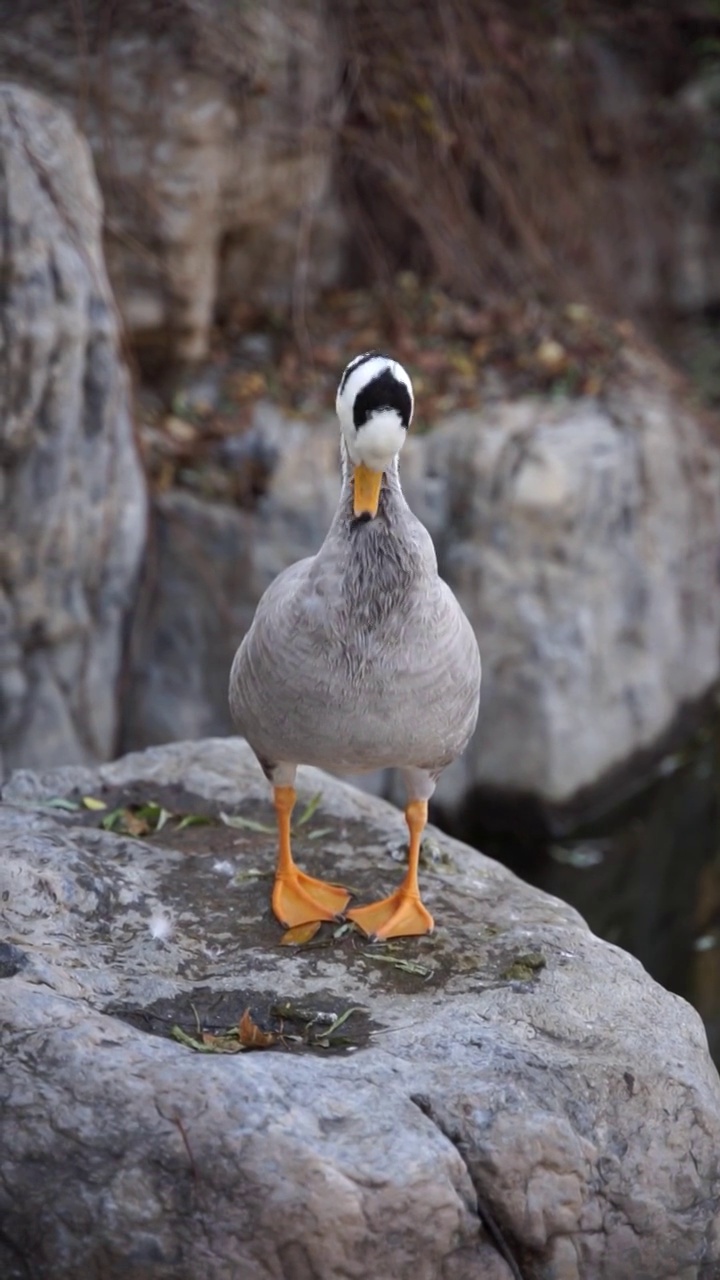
297 898
402 914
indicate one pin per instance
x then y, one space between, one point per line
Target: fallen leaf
111 819
181 430
182 1037
163 817
222 1044
344 929
190 820
94 805
197 1017
551 356
59 802
406 966
134 824
295 1012
133 821
246 824
309 809
246 385
251 1036
578 313
149 810
356 1008
300 933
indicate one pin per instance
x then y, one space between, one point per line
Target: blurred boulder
207 566
72 516
197 594
211 128
583 540
581 537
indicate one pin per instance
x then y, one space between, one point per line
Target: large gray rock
212 133
513 1098
72 510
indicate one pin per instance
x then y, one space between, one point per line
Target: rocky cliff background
257 153
209 206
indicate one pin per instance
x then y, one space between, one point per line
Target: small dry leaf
94 805
247 385
251 1036
300 933
551 356
190 1042
134 824
221 1044
181 430
246 824
463 364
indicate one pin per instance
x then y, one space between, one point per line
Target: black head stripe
384 392
355 364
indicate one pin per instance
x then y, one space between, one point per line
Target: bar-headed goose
360 657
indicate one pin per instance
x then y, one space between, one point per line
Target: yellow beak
366 487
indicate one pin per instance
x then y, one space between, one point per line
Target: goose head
375 406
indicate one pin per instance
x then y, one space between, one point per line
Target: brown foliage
501 147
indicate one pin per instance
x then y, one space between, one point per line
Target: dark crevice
484 1212
15 1258
12 960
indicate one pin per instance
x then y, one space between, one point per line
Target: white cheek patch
378 441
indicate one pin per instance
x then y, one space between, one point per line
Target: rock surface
583 541
581 537
207 567
211 128
73 503
509 1098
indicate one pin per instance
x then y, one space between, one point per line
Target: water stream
645 875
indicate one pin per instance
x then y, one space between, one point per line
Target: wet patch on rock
218 891
204 1016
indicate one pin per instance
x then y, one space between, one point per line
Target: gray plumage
360 657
